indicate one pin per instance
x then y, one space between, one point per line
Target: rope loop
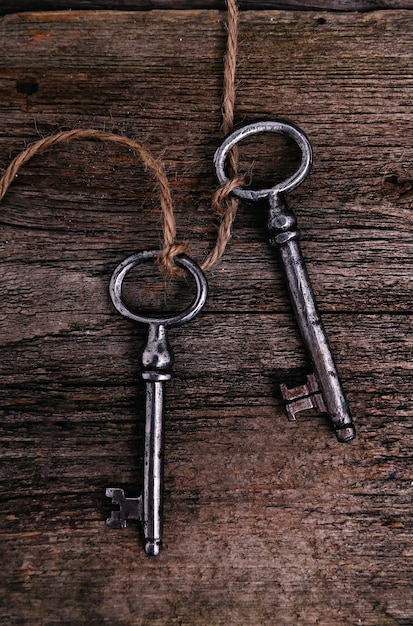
167 256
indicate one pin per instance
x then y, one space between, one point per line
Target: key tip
345 434
153 547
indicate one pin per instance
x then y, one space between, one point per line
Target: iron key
323 389
156 361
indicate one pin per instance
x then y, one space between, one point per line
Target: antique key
322 389
156 361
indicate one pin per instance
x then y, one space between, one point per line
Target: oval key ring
119 274
282 128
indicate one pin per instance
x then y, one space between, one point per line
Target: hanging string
224 205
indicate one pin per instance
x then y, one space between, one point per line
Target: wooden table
266 521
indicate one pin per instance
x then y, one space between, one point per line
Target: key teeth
304 404
129 508
309 387
309 396
116 521
117 495
303 398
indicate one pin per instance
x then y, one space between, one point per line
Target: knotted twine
224 205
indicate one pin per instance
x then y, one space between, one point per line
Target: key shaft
153 467
157 359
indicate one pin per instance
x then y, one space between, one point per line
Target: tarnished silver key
156 361
322 389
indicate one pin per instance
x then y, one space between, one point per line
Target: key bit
129 508
324 391
309 396
303 397
156 362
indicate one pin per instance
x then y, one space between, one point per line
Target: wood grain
266 522
16 6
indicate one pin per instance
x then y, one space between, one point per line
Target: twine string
170 246
224 205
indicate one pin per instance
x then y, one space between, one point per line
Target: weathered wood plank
266 522
267 513
16 6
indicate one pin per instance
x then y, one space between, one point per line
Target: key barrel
153 461
282 227
156 360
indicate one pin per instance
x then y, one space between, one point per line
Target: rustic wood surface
15 6
266 522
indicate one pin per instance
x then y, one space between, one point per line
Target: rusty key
322 390
156 361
